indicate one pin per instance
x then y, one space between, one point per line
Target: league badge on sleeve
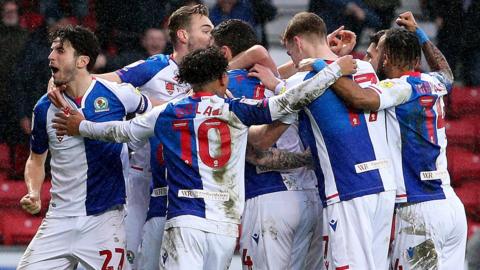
101 104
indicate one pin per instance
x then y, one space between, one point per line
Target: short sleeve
392 92
39 135
132 99
140 72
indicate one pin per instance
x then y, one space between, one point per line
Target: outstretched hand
67 123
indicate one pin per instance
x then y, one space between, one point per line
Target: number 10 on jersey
219 134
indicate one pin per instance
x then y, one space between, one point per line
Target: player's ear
297 41
182 36
226 52
82 61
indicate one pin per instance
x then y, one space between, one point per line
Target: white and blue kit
156 78
204 139
88 180
355 177
282 211
429 215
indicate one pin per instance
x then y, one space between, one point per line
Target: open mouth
54 70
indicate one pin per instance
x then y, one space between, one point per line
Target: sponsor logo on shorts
372 165
333 224
207 195
101 104
255 237
164 257
130 256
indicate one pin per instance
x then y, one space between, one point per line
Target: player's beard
65 76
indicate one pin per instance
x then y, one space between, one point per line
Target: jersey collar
200 94
411 73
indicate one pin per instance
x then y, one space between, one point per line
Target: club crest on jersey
169 87
101 104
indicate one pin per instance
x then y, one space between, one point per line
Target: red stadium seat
18 227
4 156
464 132
463 164
463 101
473 227
469 194
11 192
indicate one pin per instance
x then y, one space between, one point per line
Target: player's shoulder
43 103
239 75
113 86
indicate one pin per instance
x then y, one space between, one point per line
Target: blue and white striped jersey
204 139
157 78
87 175
349 146
416 134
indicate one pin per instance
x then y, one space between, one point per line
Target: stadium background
24 73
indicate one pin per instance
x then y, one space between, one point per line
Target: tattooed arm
274 159
433 55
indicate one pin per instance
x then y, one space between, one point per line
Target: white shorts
62 242
149 253
138 199
430 235
282 230
357 232
192 249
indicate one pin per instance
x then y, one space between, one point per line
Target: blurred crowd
132 30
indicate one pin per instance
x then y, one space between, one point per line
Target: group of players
349 151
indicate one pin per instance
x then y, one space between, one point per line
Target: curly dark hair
82 40
402 47
202 66
180 19
235 34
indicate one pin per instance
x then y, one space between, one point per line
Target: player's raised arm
436 60
254 55
304 93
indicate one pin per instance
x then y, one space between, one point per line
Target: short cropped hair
202 66
375 37
235 34
82 40
402 47
180 19
305 23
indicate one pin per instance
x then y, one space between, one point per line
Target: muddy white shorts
138 198
97 242
282 230
430 235
193 249
149 253
357 232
